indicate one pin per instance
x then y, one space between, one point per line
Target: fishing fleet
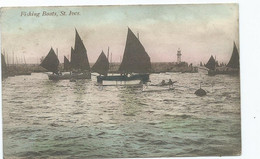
135 67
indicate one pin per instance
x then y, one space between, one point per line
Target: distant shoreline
157 67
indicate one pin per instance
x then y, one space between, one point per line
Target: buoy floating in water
200 92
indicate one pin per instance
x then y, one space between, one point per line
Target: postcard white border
249 61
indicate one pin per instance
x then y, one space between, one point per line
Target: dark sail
234 60
135 58
66 64
51 62
72 58
102 65
81 57
211 63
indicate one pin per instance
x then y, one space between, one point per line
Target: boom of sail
135 59
80 58
51 62
234 60
102 65
211 64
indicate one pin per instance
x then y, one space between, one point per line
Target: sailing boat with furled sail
136 64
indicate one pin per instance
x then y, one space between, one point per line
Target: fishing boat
211 65
79 58
102 65
51 63
79 66
233 64
135 66
232 68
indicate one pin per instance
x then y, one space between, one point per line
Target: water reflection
65 119
131 100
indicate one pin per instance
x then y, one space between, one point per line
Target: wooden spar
7 59
111 58
13 57
108 53
57 53
16 60
24 60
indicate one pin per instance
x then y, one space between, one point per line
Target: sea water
63 119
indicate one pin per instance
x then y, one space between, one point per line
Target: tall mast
7 60
4 52
13 57
111 58
24 60
16 60
108 53
57 53
215 61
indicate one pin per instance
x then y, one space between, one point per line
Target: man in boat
163 83
170 83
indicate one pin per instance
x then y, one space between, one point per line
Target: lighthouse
179 55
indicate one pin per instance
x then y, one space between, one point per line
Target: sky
199 30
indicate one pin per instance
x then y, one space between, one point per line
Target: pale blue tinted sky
199 30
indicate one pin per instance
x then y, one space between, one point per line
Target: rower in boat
170 83
162 83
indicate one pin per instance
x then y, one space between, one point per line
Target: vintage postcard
133 81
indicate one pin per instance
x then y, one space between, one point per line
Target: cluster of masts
15 60
79 59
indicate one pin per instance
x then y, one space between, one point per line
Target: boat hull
124 78
69 76
224 72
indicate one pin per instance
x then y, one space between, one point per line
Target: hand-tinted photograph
130 81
